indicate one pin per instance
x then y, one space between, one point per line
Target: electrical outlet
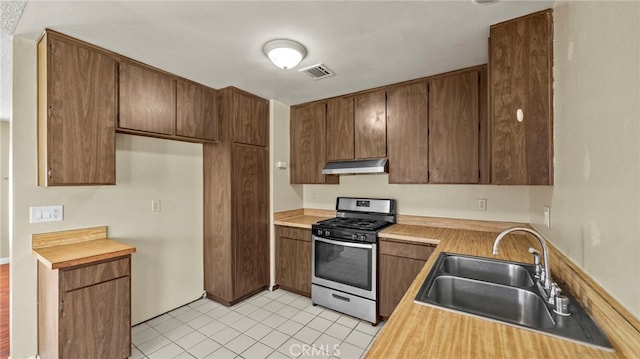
547 216
46 214
482 204
155 206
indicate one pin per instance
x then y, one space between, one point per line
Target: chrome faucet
545 273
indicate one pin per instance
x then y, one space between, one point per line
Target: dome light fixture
285 54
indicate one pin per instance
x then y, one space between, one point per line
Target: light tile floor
276 324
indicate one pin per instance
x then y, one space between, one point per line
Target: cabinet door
307 135
196 112
95 321
340 131
147 100
250 231
293 260
453 128
303 263
251 122
407 131
370 125
81 119
285 262
396 275
520 69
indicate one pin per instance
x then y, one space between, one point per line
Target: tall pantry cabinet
236 199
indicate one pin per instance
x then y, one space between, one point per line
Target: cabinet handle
519 115
50 172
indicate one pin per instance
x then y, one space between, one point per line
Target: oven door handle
341 243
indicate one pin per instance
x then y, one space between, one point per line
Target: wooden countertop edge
74 247
277 216
286 223
409 238
82 260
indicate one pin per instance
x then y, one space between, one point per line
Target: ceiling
219 43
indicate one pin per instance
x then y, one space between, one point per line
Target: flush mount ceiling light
285 54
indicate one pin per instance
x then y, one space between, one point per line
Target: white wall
283 195
4 189
286 196
504 203
595 202
167 270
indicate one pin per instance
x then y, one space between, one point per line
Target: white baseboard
5 260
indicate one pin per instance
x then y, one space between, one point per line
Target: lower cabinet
85 311
399 264
293 259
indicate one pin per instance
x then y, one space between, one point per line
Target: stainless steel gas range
344 256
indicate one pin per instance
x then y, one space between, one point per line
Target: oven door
344 266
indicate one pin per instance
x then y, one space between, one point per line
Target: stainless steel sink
494 271
505 292
496 301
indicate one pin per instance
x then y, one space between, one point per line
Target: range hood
352 167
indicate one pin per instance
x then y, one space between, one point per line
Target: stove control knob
363 237
319 232
354 237
327 233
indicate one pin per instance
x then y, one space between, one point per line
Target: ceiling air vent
317 72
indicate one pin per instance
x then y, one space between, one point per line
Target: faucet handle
554 292
536 263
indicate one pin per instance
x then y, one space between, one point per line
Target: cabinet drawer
95 273
407 250
293 233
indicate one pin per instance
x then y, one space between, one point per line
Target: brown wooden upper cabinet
436 128
357 126
147 99
77 111
454 128
520 62
251 125
407 131
340 129
308 147
196 111
370 123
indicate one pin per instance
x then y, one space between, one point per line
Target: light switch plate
547 216
156 206
46 214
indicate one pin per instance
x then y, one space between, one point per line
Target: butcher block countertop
71 248
419 331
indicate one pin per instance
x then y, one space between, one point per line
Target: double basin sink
505 292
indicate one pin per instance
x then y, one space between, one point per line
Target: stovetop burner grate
354 223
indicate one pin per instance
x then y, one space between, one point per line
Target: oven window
344 264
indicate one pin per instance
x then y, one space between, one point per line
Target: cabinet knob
519 115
